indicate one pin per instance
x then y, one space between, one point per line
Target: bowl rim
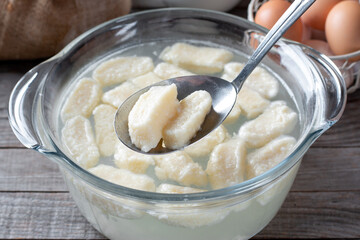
242 188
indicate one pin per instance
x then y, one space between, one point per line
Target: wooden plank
330 169
42 216
316 215
346 132
27 170
10 73
303 215
7 137
7 83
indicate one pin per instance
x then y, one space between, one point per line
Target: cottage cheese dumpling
119 94
78 137
167 71
259 80
205 145
227 164
150 114
234 113
252 104
117 70
248 103
104 129
276 120
192 219
146 80
82 99
126 158
170 188
202 60
180 167
124 177
187 122
251 141
267 157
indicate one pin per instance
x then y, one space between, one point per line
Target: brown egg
315 16
342 28
271 11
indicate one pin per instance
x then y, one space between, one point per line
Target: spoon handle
297 8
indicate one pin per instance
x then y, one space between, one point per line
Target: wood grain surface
324 201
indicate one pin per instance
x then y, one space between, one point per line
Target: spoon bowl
222 92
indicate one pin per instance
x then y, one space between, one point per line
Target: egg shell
342 28
271 11
315 16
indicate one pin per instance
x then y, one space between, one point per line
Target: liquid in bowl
198 222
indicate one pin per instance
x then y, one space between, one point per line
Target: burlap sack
40 28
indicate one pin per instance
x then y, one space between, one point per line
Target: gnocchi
180 167
205 145
170 188
118 95
259 80
252 104
251 141
267 157
167 71
208 60
118 70
124 177
78 137
227 164
276 120
191 114
126 158
146 80
104 129
82 100
154 108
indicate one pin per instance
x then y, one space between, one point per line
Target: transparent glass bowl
236 212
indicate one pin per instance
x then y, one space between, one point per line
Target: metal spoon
223 93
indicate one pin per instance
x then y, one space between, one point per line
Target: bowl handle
334 88
22 105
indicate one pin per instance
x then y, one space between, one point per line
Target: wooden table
324 201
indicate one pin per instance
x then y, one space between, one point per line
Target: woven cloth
32 29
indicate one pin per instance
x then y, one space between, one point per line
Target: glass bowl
236 212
